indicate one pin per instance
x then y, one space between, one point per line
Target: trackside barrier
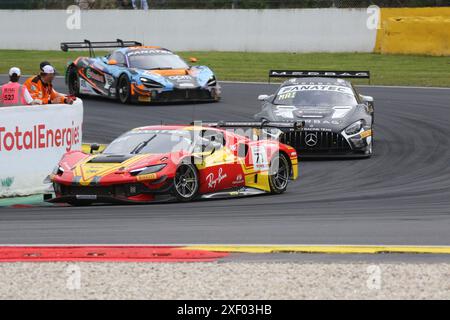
32 141
274 30
414 31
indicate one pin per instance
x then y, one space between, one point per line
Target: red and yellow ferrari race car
161 163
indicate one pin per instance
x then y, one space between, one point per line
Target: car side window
215 137
356 94
119 57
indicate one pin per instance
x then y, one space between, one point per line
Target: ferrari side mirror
94 147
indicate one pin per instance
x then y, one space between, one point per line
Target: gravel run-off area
224 280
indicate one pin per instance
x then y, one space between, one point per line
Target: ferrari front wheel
186 182
279 172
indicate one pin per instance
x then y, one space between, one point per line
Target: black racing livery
338 120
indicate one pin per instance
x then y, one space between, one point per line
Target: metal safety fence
214 4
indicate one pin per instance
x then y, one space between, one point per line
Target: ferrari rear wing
319 73
281 125
66 46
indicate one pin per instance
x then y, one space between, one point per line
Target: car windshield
151 141
315 95
157 61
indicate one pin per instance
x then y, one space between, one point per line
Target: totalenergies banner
32 140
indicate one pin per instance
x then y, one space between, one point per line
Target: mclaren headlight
355 127
150 83
148 169
212 81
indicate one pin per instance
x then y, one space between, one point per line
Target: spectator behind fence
85 4
41 87
13 93
124 4
144 4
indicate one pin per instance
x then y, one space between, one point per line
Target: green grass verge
408 70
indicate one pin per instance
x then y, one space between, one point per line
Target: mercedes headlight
148 169
354 128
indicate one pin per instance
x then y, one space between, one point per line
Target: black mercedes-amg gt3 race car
338 120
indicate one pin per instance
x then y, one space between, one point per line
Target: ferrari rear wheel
279 173
124 89
73 82
185 183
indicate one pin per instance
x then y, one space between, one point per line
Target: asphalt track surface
401 196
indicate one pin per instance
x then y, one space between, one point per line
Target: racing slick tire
186 182
279 173
73 81
124 89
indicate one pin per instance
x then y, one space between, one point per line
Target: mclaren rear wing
319 73
66 46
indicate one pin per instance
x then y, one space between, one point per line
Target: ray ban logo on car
214 181
311 139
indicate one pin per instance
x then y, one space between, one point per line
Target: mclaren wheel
124 90
279 174
186 182
73 81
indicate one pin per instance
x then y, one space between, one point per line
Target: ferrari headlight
354 128
58 170
148 170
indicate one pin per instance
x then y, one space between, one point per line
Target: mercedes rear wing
66 46
281 125
319 74
264 130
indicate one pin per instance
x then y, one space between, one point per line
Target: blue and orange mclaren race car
134 73
161 163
